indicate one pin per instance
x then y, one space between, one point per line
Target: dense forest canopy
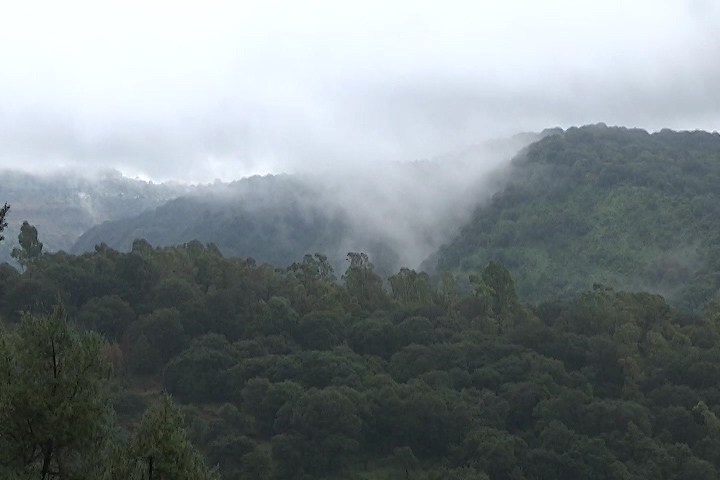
596 204
299 372
65 204
399 213
273 219
593 204
181 362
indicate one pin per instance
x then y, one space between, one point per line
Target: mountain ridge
398 213
65 203
599 204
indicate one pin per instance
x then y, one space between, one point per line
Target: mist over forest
399 240
401 211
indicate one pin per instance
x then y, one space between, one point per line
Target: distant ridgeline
64 205
398 214
596 204
272 219
422 379
590 205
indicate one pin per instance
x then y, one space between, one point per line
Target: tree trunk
47 458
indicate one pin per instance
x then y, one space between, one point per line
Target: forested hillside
588 205
274 219
65 204
162 362
605 205
399 213
293 373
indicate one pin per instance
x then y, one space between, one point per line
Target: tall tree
406 460
53 409
362 283
30 247
3 224
160 449
411 288
498 278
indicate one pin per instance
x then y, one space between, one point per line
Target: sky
194 91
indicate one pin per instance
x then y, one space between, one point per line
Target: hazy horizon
198 92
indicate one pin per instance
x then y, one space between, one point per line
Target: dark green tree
288 454
110 315
263 399
274 317
53 409
321 330
327 421
256 465
363 284
3 223
30 247
484 294
405 459
198 373
496 295
411 288
498 278
160 449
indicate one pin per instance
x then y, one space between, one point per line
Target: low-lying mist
412 208
397 212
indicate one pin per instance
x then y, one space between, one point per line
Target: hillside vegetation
605 205
161 362
275 219
287 373
66 204
399 213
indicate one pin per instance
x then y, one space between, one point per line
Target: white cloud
195 90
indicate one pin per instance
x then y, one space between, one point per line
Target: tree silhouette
3 211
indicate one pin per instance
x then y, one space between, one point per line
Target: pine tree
53 408
160 449
30 247
3 224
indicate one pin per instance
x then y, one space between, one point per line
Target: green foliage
287 455
595 204
142 358
325 425
321 330
30 247
363 285
196 374
110 315
410 288
159 449
256 465
285 373
276 219
53 411
4 210
405 460
64 205
274 318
